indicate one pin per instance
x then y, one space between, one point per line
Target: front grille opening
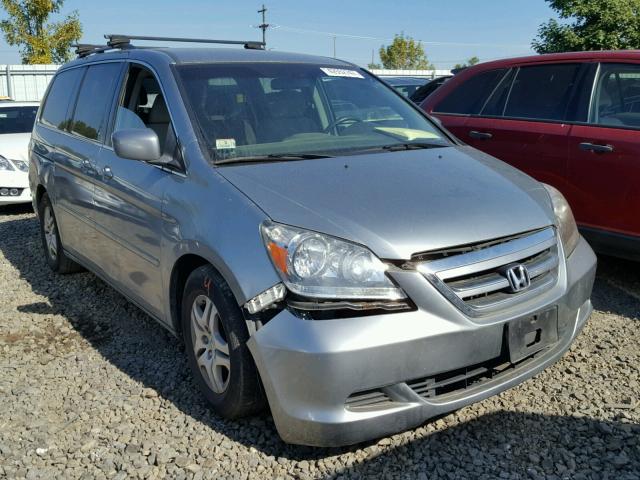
445 385
456 381
369 400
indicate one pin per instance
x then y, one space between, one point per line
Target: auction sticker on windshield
342 72
225 143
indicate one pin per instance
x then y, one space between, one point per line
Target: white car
16 123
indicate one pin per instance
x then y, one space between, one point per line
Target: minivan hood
399 203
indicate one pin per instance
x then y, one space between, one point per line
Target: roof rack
85 49
123 41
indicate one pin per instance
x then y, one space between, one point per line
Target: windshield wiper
271 158
411 146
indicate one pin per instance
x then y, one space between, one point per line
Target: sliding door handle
594 147
480 135
87 166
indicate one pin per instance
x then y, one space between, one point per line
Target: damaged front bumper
343 381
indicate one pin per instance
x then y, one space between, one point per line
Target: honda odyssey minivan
322 247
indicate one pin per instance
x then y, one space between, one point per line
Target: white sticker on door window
342 72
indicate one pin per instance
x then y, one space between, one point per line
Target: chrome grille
476 282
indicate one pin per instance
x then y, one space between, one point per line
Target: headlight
22 166
320 266
5 164
564 220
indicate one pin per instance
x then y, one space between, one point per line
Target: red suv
571 120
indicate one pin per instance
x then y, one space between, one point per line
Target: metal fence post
9 86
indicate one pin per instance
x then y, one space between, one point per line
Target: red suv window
470 96
542 92
617 98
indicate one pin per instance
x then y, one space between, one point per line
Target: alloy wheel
210 345
50 234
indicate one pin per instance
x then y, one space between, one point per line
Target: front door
604 160
523 123
129 195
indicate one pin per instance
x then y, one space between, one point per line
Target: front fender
212 219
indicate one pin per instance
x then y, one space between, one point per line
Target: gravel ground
90 387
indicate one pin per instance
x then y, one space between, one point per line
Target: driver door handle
107 173
480 135
594 147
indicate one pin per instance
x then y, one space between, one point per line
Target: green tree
40 41
469 63
404 53
590 25
374 66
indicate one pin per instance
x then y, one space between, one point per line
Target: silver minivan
322 246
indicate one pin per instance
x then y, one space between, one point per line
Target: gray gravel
92 388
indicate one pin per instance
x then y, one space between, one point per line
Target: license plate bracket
529 335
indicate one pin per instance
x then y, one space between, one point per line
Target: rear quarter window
55 111
470 96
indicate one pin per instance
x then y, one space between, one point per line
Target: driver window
143 106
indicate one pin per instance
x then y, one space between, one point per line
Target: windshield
270 110
17 119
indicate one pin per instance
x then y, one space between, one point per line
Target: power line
367 37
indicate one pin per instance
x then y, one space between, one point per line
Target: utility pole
264 25
334 46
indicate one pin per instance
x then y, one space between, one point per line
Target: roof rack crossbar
119 41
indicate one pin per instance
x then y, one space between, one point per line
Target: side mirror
137 144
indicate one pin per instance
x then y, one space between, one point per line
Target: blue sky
452 31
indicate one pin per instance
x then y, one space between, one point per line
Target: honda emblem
518 277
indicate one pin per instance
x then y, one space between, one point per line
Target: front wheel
216 337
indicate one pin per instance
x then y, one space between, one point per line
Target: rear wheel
216 337
53 251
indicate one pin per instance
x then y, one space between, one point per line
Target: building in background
411 73
25 83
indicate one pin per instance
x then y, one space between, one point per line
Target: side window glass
61 94
142 106
469 97
617 96
542 92
494 106
96 94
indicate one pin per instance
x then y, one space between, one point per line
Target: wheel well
39 192
181 271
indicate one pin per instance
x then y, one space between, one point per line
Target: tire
221 363
51 243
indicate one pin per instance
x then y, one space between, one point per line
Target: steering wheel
340 121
